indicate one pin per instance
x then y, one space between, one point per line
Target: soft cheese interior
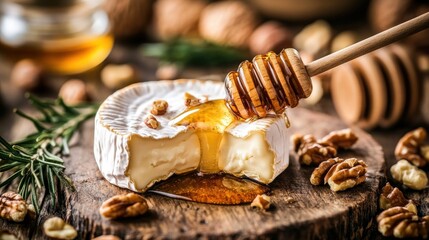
258 150
133 156
156 159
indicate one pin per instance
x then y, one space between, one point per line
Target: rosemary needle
35 162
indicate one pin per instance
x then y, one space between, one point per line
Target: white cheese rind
122 115
258 149
120 131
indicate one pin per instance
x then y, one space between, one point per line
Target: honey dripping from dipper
268 84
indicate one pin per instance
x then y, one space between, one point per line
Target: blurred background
84 50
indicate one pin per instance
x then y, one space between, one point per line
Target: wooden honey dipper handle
370 44
272 82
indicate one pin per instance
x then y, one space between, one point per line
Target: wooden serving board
317 213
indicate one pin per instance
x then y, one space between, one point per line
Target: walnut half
312 151
192 101
123 206
106 237
261 201
159 107
56 228
409 175
400 222
344 138
340 174
12 207
151 122
409 148
318 176
392 197
6 235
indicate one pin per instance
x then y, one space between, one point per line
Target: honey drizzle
264 85
209 121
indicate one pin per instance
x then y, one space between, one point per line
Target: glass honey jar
62 36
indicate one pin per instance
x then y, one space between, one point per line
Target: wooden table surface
13 98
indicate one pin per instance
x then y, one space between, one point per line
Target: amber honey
64 57
210 120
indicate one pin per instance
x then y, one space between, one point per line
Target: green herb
194 53
35 162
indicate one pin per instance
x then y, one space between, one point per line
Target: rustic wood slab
317 213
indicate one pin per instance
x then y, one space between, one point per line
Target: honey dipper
378 89
271 82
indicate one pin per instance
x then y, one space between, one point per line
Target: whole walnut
118 76
314 39
177 18
344 39
26 74
270 36
228 23
128 17
384 14
73 92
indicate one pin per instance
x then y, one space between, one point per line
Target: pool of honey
210 188
209 185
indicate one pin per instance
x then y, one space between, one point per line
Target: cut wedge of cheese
131 155
258 150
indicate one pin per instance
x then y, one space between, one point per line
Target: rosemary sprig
35 162
198 53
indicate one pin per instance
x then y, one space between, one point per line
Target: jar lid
56 7
50 3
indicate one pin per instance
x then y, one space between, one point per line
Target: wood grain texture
317 213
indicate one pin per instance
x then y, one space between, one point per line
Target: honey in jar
63 36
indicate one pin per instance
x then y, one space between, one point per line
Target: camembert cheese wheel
132 155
